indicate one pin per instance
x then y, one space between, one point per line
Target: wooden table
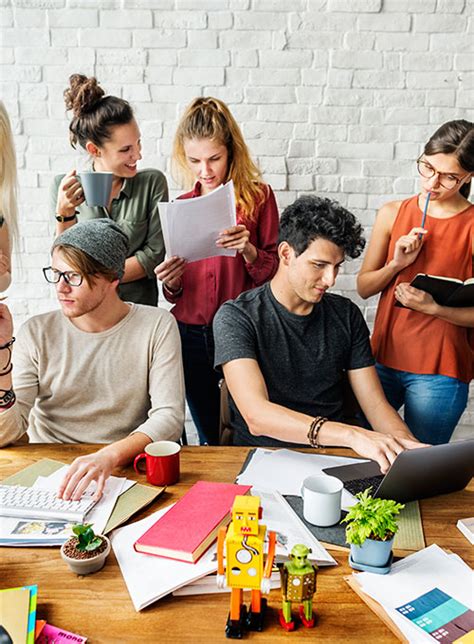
100 608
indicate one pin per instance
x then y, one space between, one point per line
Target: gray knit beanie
101 239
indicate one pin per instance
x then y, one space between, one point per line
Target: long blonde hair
210 118
8 176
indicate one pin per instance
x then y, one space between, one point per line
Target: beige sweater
78 387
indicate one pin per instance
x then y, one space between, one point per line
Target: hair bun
83 94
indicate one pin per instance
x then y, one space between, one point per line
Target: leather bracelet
8 344
8 399
65 218
314 429
9 369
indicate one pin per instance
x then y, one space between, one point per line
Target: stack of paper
427 595
191 227
148 578
285 470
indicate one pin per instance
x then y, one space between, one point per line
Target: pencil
425 210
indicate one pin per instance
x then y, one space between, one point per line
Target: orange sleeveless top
411 341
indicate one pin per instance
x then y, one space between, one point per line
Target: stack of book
174 549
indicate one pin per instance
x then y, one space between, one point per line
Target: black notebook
446 291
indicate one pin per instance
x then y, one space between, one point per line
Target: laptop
414 474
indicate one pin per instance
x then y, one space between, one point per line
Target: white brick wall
334 96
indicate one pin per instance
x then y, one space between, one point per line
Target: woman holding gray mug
105 127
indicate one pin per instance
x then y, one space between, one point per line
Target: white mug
322 500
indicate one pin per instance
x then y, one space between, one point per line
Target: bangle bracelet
314 429
175 293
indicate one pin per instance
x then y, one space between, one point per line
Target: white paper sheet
284 470
415 575
100 513
148 578
279 517
191 226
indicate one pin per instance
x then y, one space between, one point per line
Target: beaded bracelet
8 366
314 429
8 398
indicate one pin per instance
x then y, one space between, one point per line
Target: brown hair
85 264
94 114
210 118
456 138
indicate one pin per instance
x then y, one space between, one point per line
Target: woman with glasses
425 351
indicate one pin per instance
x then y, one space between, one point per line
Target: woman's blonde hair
8 176
210 118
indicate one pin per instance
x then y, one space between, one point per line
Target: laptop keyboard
359 485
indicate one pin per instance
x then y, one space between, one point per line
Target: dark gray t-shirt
302 357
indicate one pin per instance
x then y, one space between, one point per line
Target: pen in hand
425 210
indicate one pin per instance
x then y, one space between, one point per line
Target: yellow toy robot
243 542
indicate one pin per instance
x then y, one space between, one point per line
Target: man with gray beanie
99 370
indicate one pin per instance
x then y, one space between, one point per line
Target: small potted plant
85 552
370 532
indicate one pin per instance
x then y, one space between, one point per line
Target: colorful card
440 616
51 634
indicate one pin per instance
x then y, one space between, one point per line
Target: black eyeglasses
53 276
446 179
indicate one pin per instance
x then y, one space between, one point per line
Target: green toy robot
298 585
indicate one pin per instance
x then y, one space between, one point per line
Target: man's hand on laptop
84 469
382 448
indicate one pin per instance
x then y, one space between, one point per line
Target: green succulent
88 541
371 519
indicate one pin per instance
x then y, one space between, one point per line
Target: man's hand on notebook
382 448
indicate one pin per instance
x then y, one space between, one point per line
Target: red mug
162 462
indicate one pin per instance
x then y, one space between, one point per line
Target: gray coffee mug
97 187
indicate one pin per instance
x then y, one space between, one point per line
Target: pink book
191 525
50 634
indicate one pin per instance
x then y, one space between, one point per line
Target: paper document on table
191 226
100 513
279 517
413 577
284 470
148 578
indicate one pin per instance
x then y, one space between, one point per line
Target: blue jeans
201 380
433 403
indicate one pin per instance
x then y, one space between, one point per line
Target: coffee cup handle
136 461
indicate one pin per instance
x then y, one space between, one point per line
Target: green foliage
371 519
88 541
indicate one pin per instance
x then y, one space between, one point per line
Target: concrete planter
89 565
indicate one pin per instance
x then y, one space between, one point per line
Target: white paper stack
148 578
415 576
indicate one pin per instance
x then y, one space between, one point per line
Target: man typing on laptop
284 347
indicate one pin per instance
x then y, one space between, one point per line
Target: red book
187 530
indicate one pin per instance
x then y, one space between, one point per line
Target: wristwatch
64 218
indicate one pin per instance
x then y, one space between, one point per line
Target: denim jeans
433 403
201 380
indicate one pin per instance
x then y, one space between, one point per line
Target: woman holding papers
8 191
209 149
105 127
425 351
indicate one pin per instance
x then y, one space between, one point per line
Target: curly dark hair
311 217
94 113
